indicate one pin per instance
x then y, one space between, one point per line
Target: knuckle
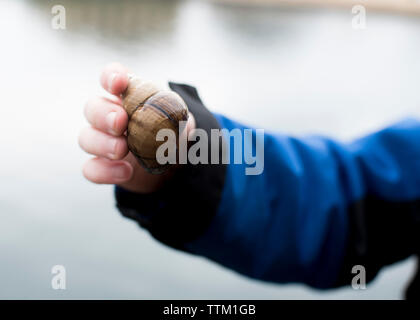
90 106
89 173
81 138
85 170
86 136
90 101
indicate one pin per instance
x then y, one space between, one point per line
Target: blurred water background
290 69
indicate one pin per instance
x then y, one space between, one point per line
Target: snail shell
149 110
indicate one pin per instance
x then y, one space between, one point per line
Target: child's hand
113 163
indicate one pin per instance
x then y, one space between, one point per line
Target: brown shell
149 111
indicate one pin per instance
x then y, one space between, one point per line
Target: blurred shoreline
409 7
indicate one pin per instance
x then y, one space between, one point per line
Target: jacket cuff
380 233
183 208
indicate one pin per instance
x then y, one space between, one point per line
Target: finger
103 145
104 171
114 78
106 115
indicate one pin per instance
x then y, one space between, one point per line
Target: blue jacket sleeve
291 223
317 208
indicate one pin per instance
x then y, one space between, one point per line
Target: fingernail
110 121
111 81
121 172
112 147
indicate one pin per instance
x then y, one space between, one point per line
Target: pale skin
105 139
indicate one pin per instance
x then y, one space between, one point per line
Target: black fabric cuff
380 233
183 209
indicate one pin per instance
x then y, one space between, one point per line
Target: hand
105 139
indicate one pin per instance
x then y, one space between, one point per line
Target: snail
149 110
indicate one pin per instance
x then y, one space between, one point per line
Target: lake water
294 70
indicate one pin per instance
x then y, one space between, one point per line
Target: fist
105 139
